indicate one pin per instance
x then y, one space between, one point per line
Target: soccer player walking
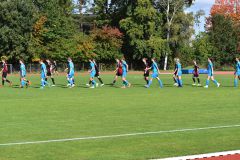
210 74
237 73
179 73
92 72
4 72
155 72
118 71
124 73
70 74
97 74
146 70
23 74
196 74
43 74
50 67
175 73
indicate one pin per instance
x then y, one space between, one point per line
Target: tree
170 10
224 37
143 31
54 25
16 21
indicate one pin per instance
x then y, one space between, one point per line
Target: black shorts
118 74
49 74
97 74
195 75
146 74
4 75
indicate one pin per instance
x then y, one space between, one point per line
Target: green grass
54 113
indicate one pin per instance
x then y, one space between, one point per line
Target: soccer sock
178 82
46 79
181 83
53 81
73 81
207 82
114 81
90 82
126 82
160 83
8 81
194 80
235 82
3 82
93 82
149 82
42 82
100 80
198 79
23 83
215 82
174 79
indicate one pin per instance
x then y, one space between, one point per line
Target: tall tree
170 10
16 20
143 30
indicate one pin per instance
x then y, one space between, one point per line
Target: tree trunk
166 55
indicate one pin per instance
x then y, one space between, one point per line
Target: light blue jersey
155 70
124 68
43 70
93 70
210 69
22 70
70 69
238 68
179 69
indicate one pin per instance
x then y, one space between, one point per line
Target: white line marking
119 135
209 155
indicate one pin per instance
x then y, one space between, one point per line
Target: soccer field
137 123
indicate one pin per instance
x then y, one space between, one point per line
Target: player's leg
207 81
53 80
175 80
115 79
180 83
160 82
194 80
215 81
235 80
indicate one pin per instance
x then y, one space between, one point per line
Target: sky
201 5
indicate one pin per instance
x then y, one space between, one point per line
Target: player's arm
126 66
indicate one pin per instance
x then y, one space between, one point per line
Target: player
237 73
175 73
4 72
55 68
118 71
155 72
23 74
43 74
124 73
70 75
97 74
92 72
210 74
146 70
196 74
179 73
50 67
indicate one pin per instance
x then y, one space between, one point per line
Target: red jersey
119 66
5 67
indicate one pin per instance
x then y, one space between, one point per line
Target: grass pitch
58 112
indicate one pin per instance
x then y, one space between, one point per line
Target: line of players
48 69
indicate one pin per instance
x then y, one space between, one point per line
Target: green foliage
223 36
143 31
16 20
